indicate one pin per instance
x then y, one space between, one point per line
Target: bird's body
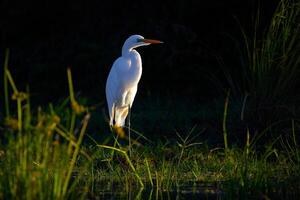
123 79
122 85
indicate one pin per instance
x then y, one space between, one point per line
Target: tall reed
39 155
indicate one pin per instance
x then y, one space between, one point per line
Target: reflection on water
153 194
183 192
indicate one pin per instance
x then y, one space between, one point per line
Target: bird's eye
139 40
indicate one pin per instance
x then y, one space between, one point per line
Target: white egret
123 79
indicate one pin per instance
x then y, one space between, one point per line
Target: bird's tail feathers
117 119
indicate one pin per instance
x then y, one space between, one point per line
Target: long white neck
126 50
129 46
133 70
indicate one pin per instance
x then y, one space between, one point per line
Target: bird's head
138 40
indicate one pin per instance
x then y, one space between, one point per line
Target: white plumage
123 79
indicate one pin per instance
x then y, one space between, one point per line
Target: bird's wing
130 95
114 87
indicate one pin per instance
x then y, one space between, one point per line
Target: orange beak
151 41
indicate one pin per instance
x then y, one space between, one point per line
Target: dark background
46 37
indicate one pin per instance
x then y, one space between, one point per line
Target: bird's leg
112 118
128 126
113 115
113 130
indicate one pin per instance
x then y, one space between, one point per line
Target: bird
123 78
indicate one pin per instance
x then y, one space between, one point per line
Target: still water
186 192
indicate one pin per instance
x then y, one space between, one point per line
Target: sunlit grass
39 154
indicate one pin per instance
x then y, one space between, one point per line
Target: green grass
237 175
38 152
